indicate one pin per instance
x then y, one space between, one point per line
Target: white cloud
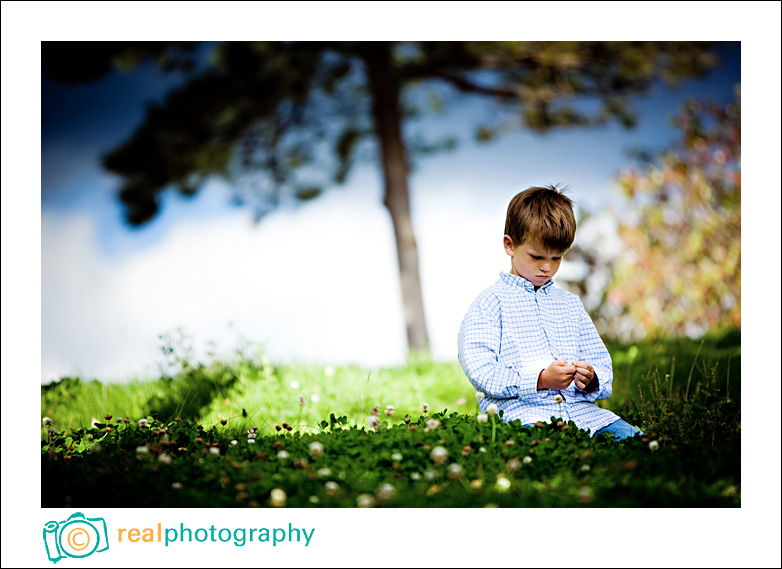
318 284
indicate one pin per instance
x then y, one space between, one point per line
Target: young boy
529 347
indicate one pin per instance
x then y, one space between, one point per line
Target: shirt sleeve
480 337
593 351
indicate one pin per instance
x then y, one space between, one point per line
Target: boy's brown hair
542 215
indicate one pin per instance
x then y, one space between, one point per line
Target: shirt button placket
544 323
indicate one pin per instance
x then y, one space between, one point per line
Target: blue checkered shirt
511 333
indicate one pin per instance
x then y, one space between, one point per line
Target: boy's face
532 261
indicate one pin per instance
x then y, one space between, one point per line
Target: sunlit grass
349 391
252 391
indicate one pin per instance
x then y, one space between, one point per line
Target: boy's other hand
559 375
585 375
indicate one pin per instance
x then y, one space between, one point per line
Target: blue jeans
620 429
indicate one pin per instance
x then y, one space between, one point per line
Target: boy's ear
507 243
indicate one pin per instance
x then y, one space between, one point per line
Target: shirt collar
520 282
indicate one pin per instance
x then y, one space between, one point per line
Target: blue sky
81 122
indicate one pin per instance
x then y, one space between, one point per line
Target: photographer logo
75 537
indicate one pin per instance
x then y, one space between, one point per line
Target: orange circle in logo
78 533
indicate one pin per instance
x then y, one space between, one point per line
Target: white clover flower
278 498
315 398
425 407
165 459
294 384
492 409
415 476
585 494
432 424
502 484
214 450
176 485
143 423
142 450
514 464
527 460
558 399
283 455
329 371
324 472
331 488
317 449
439 455
385 492
430 474
314 500
365 501
302 399
390 410
250 441
397 457
586 468
52 431
479 395
251 434
234 443
47 421
373 422
482 418
482 449
455 471
119 419
653 445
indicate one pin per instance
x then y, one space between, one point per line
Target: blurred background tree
283 120
680 271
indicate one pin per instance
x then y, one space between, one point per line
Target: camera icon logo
75 537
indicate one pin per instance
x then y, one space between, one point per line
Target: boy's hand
585 375
559 375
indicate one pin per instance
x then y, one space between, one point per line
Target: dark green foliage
697 464
192 391
713 363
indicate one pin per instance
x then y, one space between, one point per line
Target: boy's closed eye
538 257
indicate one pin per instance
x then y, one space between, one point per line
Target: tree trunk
385 90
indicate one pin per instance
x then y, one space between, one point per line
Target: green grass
269 395
684 395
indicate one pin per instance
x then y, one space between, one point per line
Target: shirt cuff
528 388
591 395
